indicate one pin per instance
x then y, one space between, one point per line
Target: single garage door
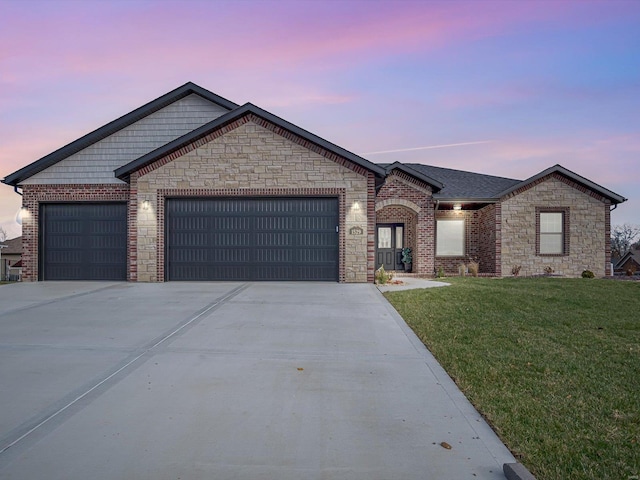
83 241
252 239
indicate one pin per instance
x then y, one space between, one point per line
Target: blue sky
518 86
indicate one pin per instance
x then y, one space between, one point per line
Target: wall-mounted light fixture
146 205
457 207
21 215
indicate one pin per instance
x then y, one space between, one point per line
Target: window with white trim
450 238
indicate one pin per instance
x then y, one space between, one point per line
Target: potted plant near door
407 259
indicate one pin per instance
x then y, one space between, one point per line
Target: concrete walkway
410 283
226 380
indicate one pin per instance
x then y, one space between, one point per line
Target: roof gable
202 135
559 169
409 170
116 126
13 246
633 254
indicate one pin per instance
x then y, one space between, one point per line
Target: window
384 237
450 238
552 226
399 235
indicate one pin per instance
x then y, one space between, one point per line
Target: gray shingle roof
14 246
459 184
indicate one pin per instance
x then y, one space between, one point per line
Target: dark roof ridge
464 171
557 168
113 127
409 170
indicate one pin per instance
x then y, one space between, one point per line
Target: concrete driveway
226 380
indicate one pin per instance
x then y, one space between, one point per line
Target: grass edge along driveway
553 365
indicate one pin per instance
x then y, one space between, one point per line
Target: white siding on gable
96 163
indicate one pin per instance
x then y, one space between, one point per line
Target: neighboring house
194 187
629 262
10 256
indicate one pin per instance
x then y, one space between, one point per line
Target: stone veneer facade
251 158
587 212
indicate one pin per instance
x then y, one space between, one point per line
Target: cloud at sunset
546 82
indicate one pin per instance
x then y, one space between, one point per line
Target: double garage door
252 239
205 238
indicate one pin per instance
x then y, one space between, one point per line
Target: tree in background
622 238
3 234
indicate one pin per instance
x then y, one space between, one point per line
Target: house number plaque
356 231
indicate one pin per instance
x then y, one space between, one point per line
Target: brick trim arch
397 202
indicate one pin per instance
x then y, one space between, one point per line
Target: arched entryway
395 230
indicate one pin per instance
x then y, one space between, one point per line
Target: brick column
425 246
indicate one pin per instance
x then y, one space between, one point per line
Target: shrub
587 274
515 270
440 273
407 257
381 276
462 269
473 267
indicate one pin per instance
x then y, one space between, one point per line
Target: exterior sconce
457 207
146 205
21 215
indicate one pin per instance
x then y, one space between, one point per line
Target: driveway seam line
57 299
146 350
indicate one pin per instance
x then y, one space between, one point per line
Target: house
192 186
629 262
10 259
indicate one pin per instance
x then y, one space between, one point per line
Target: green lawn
553 365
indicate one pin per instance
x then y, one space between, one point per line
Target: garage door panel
274 256
253 239
228 239
275 239
83 241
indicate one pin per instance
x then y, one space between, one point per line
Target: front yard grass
552 364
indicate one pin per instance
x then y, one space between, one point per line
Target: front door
390 240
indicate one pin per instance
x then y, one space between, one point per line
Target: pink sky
522 85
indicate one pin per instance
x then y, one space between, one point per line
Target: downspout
611 272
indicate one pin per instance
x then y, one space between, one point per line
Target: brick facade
487 239
35 195
471 243
401 214
399 196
